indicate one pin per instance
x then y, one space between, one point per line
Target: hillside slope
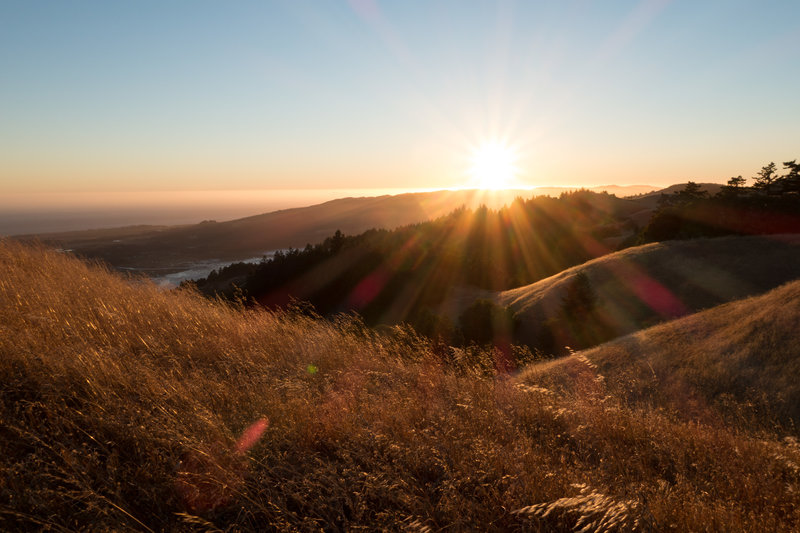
740 361
123 407
641 286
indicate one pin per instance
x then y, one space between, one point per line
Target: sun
493 166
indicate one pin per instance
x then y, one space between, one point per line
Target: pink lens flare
251 435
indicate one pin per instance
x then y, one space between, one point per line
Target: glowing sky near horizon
199 95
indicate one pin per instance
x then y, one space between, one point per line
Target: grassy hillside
126 408
739 362
642 286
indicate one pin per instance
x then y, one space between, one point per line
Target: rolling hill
644 285
737 361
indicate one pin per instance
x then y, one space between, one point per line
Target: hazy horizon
32 213
25 213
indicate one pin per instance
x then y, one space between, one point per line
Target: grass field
739 361
123 407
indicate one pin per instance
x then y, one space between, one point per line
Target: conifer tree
766 177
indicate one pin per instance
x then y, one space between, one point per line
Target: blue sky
146 95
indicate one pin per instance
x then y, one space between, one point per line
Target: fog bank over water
44 212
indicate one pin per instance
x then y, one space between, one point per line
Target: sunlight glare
494 166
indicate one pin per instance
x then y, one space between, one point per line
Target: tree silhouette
693 191
484 322
765 177
737 182
580 298
689 194
734 187
791 180
577 323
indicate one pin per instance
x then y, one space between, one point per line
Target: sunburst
493 166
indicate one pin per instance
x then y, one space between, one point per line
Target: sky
152 96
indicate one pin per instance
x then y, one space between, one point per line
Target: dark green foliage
735 186
771 206
231 271
580 300
578 323
768 181
485 322
436 327
718 216
691 192
765 177
688 195
791 180
737 182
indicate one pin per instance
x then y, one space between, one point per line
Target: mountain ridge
254 235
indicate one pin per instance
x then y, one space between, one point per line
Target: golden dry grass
736 364
122 407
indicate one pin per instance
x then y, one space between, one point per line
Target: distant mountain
178 246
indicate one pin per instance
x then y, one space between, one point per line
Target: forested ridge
393 275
